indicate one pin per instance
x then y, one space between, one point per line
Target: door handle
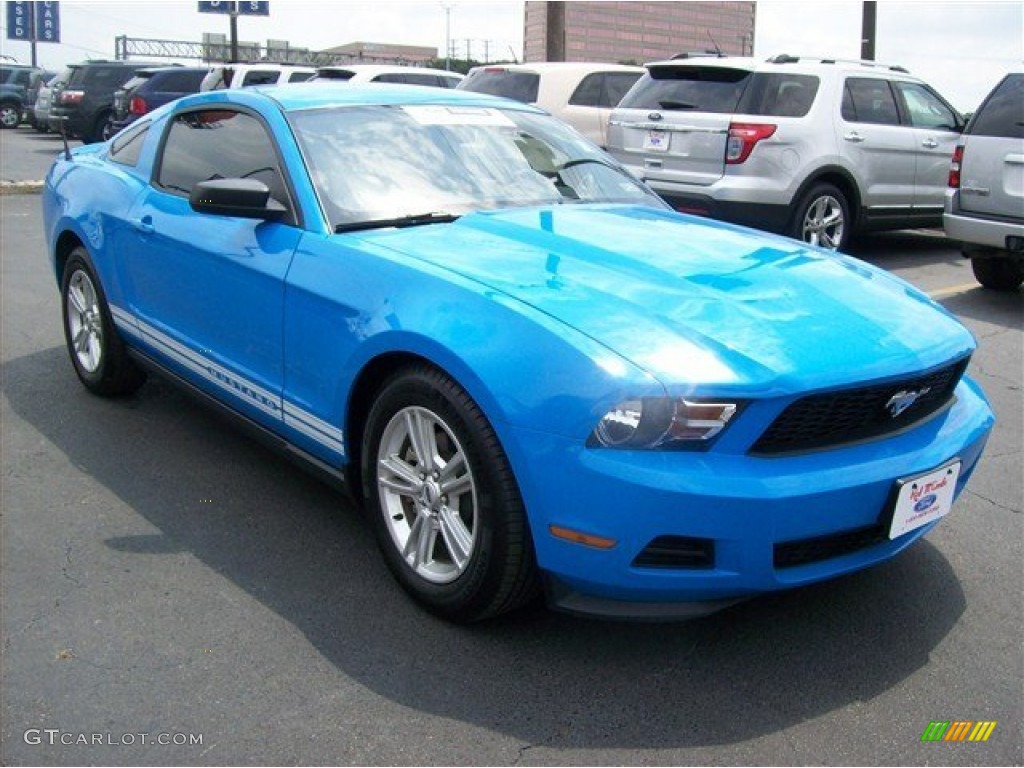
853 136
144 225
929 143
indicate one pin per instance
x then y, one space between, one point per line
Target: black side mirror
245 198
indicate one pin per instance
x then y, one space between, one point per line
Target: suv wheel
10 115
822 218
100 129
999 274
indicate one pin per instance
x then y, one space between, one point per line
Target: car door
875 144
207 291
936 128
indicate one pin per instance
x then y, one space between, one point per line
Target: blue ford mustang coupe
532 373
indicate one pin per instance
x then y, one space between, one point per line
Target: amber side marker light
578 537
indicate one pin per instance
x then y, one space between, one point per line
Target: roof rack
700 55
785 58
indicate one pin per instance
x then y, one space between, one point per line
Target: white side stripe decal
288 413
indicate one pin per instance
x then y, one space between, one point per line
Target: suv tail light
138 106
71 97
954 168
742 138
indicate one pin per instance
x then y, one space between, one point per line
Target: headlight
661 422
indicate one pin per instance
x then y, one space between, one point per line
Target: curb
20 187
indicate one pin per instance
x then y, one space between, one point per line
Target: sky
961 48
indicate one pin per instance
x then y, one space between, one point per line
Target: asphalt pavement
165 579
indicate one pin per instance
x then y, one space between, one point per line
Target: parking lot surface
173 593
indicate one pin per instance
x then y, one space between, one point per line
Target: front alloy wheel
10 115
427 494
442 499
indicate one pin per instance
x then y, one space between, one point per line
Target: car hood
697 303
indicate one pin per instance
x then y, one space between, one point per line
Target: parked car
814 148
527 368
44 100
381 73
35 84
262 73
985 199
14 82
152 88
580 93
84 106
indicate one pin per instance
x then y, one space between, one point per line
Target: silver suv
985 199
813 148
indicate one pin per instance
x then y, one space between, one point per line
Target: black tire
999 274
10 114
99 127
96 350
465 557
822 218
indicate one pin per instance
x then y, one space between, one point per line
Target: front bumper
750 508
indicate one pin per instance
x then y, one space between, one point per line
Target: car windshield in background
425 163
521 86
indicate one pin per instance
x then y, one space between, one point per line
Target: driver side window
219 144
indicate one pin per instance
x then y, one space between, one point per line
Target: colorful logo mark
958 730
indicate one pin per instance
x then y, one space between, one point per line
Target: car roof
779 62
563 66
380 69
301 96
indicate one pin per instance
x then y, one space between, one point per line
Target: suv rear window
699 89
1002 113
521 86
724 91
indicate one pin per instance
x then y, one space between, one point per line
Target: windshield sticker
440 115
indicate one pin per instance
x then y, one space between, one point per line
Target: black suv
85 105
153 87
14 82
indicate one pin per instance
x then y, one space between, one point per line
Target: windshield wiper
412 220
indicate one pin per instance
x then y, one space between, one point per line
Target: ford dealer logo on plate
924 503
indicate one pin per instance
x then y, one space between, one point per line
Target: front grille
677 552
864 413
789 554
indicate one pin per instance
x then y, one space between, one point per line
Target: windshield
372 163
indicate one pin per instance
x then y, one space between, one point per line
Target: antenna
712 39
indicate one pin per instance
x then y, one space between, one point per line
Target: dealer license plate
656 141
924 498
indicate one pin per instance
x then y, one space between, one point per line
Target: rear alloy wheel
96 350
10 115
823 218
999 274
443 502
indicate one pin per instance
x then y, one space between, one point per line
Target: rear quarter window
1002 113
779 95
697 89
126 147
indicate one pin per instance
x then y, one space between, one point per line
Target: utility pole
867 30
469 50
234 33
487 51
447 36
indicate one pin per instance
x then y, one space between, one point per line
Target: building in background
634 32
386 53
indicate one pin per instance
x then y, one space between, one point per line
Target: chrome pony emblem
903 399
